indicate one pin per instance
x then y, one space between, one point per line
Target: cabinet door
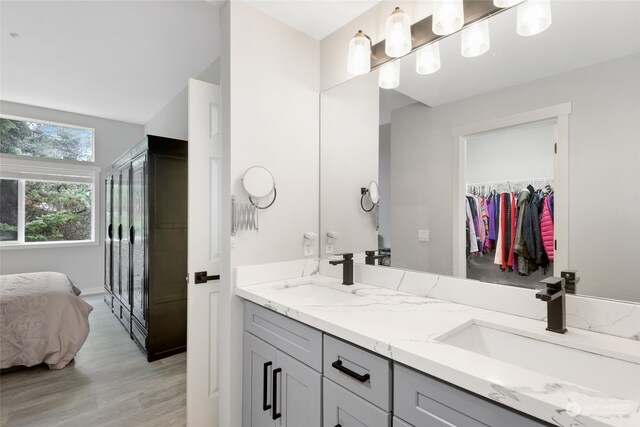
125 249
298 396
138 238
117 234
258 365
343 408
108 235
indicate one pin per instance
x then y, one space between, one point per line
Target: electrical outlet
423 235
308 250
330 248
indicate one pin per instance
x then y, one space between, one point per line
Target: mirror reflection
505 167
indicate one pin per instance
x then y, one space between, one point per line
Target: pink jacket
546 229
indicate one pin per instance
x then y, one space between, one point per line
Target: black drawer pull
110 231
362 378
338 425
265 377
132 235
275 415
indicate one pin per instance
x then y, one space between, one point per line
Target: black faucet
371 257
554 296
570 280
347 268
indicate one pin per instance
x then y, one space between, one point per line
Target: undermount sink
313 294
615 377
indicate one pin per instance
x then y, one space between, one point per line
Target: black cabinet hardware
201 277
120 232
110 231
265 376
361 378
132 234
275 414
338 425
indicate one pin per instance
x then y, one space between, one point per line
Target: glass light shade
506 3
398 34
475 39
389 77
448 16
428 59
534 16
359 61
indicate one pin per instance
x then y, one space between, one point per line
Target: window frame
46 122
13 167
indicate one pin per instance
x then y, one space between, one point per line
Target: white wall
604 148
520 153
270 118
83 264
348 161
171 120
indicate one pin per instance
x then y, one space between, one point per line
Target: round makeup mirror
258 182
374 192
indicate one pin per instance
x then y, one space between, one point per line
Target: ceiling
122 60
582 33
315 18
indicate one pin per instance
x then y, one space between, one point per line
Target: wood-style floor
110 383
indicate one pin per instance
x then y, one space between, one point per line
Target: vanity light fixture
475 39
428 59
448 16
506 3
389 77
534 16
398 34
359 61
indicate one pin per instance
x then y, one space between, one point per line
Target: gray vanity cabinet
423 400
343 408
280 385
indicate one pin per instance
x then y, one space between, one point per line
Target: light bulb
389 77
359 61
428 59
506 3
475 39
398 34
534 16
448 16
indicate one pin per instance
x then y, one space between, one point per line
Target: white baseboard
92 291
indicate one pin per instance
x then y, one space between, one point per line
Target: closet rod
514 181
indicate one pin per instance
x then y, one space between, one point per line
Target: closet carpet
110 383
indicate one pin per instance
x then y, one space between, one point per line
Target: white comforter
42 319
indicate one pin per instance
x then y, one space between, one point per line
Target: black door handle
201 277
265 377
120 232
110 231
275 414
356 376
132 234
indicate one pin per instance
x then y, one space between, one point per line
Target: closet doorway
511 175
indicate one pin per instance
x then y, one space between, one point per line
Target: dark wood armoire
146 244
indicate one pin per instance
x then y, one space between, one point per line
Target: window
33 138
46 202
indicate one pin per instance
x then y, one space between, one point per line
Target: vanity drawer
343 408
349 366
397 422
292 337
423 400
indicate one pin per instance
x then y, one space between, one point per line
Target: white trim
64 125
560 114
91 291
11 245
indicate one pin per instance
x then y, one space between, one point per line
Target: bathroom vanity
319 353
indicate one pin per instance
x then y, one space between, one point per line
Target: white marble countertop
406 328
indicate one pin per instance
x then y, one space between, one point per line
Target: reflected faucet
554 296
570 280
347 268
371 257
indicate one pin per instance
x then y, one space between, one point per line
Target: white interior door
203 254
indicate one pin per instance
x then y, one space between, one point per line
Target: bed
42 320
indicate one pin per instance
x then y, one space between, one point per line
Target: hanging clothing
512 229
501 223
546 228
473 242
485 220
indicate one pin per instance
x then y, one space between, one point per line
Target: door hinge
555 148
555 245
201 277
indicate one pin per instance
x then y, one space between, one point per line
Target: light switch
423 235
